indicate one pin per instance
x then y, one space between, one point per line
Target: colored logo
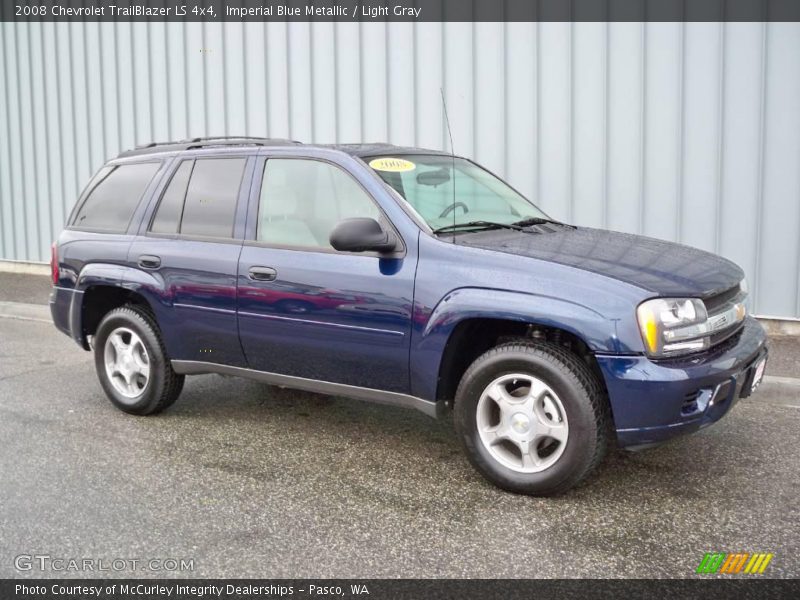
742 562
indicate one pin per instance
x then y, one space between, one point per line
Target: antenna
453 157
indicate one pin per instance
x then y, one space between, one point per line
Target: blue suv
403 276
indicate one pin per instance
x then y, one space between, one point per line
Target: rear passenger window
112 202
201 198
210 205
168 217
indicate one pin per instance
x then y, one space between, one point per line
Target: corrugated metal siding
688 132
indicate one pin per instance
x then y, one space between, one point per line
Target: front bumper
655 401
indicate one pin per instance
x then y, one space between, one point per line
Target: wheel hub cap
522 423
127 363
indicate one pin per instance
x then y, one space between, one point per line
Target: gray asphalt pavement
253 481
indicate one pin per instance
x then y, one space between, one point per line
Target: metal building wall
688 132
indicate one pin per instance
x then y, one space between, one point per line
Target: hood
664 268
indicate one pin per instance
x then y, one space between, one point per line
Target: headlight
673 325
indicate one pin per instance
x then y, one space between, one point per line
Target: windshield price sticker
393 165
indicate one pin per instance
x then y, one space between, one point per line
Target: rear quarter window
114 198
210 206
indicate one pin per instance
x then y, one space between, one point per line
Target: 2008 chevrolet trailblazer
403 276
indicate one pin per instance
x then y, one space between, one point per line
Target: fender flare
597 331
148 285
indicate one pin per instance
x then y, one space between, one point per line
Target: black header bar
375 589
398 10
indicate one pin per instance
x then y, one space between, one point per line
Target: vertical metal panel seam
21 140
24 141
606 145
388 79
538 92
360 54
87 108
443 84
415 54
5 87
643 132
335 86
311 81
186 113
168 91
204 64
117 87
224 67
762 134
60 105
71 62
13 252
681 134
102 88
33 141
506 136
150 87
134 114
720 140
266 76
245 79
571 121
289 111
48 136
474 86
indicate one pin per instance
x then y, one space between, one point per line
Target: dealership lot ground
253 481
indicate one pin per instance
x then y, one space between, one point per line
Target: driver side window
302 200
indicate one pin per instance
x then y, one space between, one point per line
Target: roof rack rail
203 142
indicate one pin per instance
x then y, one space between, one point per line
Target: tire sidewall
125 317
579 449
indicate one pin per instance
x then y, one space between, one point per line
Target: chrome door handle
148 261
262 274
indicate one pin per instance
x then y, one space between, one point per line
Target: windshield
427 182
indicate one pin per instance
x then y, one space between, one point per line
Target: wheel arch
103 288
469 321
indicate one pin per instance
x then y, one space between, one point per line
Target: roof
359 150
207 142
379 148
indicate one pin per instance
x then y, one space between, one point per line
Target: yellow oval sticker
394 165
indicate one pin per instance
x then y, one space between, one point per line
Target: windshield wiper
538 221
478 225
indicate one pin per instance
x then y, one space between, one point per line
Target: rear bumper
65 308
655 401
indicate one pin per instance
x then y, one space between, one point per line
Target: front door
309 311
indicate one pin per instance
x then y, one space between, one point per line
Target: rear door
191 245
307 310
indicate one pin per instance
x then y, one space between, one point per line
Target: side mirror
362 235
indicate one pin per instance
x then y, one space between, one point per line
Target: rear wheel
132 364
532 417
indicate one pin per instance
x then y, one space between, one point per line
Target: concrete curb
25 312
25 268
776 326
776 380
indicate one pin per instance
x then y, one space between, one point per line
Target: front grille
689 406
723 335
719 300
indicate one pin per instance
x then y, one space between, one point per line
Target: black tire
163 385
584 401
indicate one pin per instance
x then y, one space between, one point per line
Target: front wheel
132 364
532 417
